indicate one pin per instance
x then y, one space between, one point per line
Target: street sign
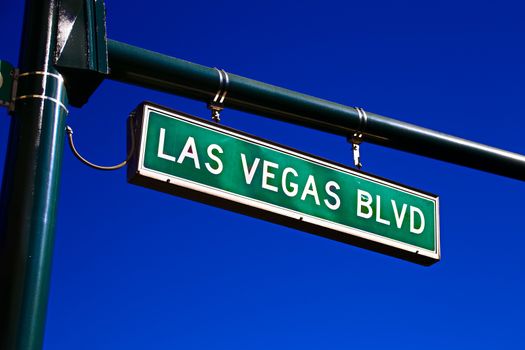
6 82
180 154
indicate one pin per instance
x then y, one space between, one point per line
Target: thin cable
69 132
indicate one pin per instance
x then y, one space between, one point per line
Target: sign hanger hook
357 137
217 104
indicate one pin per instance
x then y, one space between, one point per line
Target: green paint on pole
149 69
30 183
220 166
6 82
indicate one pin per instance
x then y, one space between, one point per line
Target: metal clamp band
43 97
56 76
363 119
60 80
357 137
216 105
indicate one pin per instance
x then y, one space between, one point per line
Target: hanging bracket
217 104
357 137
356 140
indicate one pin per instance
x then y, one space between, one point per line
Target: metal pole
28 201
149 69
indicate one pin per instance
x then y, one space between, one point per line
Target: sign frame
140 175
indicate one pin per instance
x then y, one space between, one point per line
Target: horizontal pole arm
134 65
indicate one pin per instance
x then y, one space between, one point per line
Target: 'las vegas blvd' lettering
234 166
367 206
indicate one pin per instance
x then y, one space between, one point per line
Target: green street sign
183 155
6 82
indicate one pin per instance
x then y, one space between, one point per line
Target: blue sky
138 269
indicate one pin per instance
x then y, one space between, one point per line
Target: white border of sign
229 196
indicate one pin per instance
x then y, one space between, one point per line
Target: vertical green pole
30 184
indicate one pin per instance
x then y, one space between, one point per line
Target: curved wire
69 132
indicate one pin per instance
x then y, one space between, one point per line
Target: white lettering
248 174
399 217
160 151
190 151
413 229
268 175
378 212
310 189
329 192
215 158
367 203
293 185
